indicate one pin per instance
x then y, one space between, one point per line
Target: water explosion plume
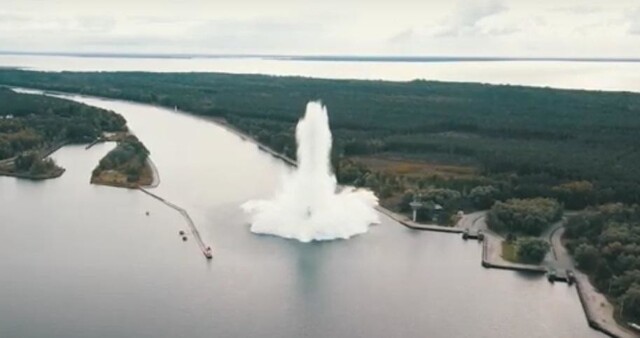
309 205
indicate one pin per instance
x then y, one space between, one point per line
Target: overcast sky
565 28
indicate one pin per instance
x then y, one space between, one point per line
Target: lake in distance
600 75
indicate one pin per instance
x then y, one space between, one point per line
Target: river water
78 260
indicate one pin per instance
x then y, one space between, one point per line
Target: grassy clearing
115 178
417 169
509 252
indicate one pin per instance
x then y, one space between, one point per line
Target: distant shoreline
329 58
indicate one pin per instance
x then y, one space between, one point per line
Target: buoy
184 239
181 233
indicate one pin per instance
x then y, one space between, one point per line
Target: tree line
33 122
605 242
538 141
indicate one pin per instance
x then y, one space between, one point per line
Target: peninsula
34 126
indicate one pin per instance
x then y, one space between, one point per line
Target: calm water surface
623 76
84 261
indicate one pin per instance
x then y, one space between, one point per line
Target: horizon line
323 57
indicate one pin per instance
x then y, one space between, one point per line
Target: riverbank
117 179
599 312
37 177
263 147
598 309
365 129
7 166
401 223
155 174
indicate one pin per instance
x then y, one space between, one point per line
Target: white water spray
309 206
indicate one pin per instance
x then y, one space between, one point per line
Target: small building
426 211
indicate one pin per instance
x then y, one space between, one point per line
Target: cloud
579 9
95 24
467 18
402 27
267 35
8 18
402 36
634 25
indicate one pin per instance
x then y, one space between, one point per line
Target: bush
24 161
631 302
532 250
483 197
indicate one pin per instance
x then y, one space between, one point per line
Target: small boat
208 253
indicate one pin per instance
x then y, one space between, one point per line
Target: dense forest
580 147
33 125
29 122
605 242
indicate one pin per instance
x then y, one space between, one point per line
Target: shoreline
489 259
598 311
155 174
31 177
245 137
41 177
112 181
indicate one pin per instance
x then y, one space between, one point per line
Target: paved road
474 221
597 307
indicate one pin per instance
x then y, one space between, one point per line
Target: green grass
509 252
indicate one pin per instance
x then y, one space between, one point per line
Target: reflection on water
85 261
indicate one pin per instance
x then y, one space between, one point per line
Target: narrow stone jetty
417 226
491 257
94 142
206 250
